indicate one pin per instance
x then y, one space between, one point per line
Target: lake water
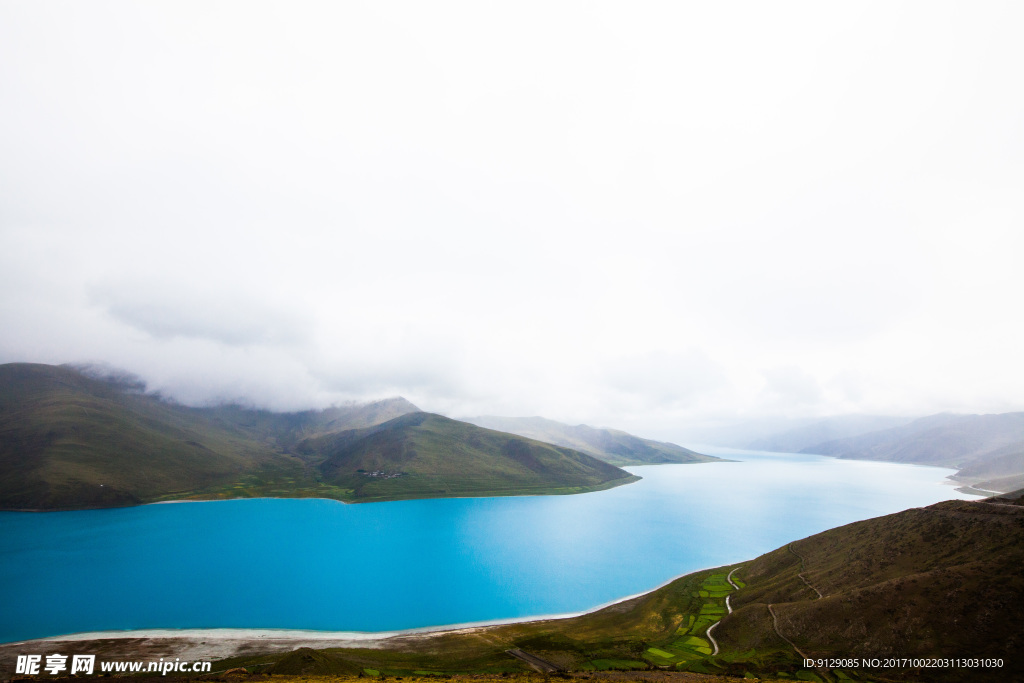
324 565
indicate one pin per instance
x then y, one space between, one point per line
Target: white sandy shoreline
350 638
366 638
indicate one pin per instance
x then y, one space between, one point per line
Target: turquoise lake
324 565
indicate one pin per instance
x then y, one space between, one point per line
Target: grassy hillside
69 440
611 445
424 455
942 581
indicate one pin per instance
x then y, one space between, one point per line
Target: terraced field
690 644
692 648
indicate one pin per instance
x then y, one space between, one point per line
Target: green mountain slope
71 441
611 445
424 455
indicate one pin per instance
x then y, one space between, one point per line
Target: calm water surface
317 564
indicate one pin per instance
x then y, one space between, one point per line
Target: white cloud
621 215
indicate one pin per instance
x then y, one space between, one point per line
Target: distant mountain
781 434
798 438
999 470
1017 496
425 455
74 438
987 449
610 445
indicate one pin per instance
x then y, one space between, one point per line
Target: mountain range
71 437
797 438
987 450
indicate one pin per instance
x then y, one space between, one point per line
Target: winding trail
775 625
729 578
728 606
711 637
775 617
729 597
541 665
823 672
801 572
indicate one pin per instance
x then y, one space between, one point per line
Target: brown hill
941 581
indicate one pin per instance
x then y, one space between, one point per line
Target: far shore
610 484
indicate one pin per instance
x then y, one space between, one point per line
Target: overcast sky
629 214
